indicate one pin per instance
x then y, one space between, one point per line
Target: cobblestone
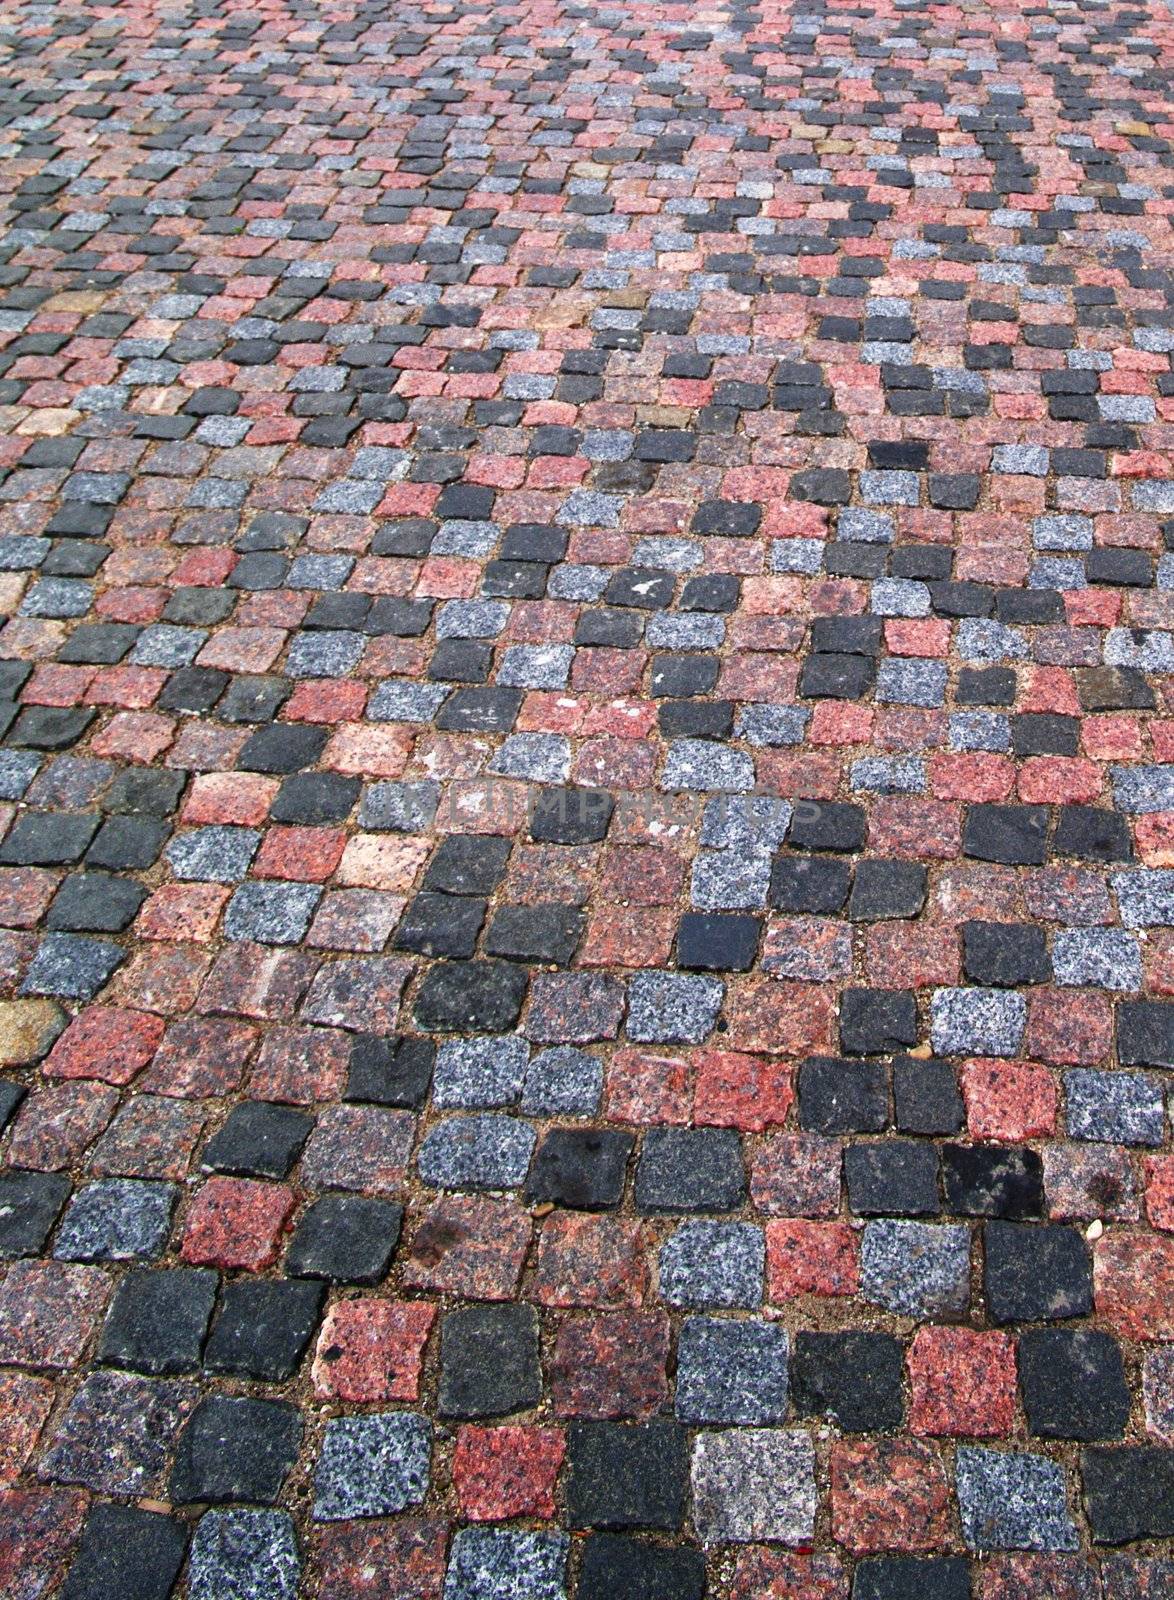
587 801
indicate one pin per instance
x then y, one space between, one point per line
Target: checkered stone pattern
586 800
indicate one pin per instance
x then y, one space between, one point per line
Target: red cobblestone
963 1382
499 1473
610 1366
889 1494
817 1258
372 1350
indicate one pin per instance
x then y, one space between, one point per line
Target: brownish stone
610 1366
590 1261
382 1560
889 1494
473 1246
794 1019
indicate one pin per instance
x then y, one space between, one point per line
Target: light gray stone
712 1264
400 807
538 757
732 1371
701 764
916 1269
563 1082
213 855
670 1007
480 1073
977 1022
730 880
772 726
752 1484
911 682
1143 789
1102 958
1146 896
480 1152
117 1219
745 822
244 1555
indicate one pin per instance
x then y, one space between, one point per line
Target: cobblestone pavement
588 801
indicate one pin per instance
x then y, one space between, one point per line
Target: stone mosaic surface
586 800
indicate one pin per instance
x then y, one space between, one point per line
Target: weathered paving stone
1011 1500
348 1551
127 1551
694 1169
1113 1107
1073 1383
916 1269
477 1073
372 1466
992 1181
570 815
263 1327
716 942
235 1449
489 1361
117 1219
479 1152
614 1563
1102 958
258 1140
626 1475
672 1007
713 1264
393 1072
986 1022
157 1319
895 1179
72 966
244 1552
28 1029
574 1008
841 1096
754 1483
728 880
1146 897
1035 1273
1156 1392
271 913
474 996
492 1564
731 1372
912 1578
698 765
562 1082
345 1239
580 1167
1145 1033
854 1378
30 1203
585 803
612 1366
883 889
1129 1492
116 1433
877 1021
1005 953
